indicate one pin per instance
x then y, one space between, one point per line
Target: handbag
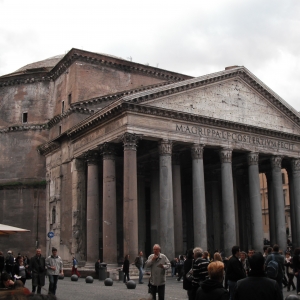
189 274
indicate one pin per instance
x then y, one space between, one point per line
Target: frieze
197 151
276 162
236 137
253 158
165 147
226 155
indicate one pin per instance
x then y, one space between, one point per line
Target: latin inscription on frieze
235 137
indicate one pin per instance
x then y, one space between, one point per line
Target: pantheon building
114 156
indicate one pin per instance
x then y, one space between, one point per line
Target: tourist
212 288
158 263
139 263
19 269
257 286
275 255
74 267
38 270
296 264
187 266
235 270
199 270
180 267
54 266
289 270
126 268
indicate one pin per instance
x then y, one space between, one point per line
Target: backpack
272 268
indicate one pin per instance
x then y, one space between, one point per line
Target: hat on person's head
54 249
257 261
9 252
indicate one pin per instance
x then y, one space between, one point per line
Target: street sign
50 234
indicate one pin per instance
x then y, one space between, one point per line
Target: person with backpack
274 266
256 286
296 266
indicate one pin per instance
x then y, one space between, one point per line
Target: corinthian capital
92 157
276 162
108 151
165 147
252 158
197 151
295 163
130 140
226 155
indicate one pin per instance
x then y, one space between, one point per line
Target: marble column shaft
141 210
217 215
271 208
255 202
279 205
166 199
155 208
130 217
295 207
92 211
109 205
228 201
177 202
199 205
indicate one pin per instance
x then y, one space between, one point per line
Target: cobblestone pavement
80 290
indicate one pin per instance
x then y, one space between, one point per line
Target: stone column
109 205
255 202
294 182
177 202
199 206
271 208
78 208
279 206
92 210
217 216
141 209
130 217
154 207
228 201
166 199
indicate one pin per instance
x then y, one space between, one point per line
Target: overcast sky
193 37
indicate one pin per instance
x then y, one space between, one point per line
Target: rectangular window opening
25 117
62 107
59 130
70 99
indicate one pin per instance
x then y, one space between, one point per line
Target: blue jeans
140 274
232 286
52 283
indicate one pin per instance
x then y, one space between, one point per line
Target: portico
201 143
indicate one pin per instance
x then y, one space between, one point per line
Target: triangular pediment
232 99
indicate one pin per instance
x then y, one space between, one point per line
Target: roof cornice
90 57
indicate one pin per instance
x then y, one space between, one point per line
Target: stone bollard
108 282
131 284
89 279
74 278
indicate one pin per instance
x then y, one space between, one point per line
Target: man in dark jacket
235 270
257 286
212 288
38 271
275 255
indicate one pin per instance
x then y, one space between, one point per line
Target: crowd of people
252 275
15 270
242 276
